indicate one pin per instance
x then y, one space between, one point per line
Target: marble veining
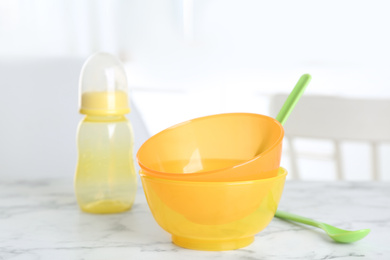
39 220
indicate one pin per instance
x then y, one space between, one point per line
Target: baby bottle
105 180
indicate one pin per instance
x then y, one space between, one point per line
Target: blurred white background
185 58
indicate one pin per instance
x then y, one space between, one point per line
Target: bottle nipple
103 86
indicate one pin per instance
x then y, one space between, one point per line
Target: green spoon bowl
337 234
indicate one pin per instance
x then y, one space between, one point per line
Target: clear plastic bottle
105 180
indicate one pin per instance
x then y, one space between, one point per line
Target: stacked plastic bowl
214 182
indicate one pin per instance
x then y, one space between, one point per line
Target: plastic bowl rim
283 174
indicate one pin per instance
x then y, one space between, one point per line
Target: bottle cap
103 86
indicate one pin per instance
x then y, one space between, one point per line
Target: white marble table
41 220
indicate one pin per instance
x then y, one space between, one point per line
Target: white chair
336 119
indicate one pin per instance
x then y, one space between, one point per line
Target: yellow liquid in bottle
105 180
106 206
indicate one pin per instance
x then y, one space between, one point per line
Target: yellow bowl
213 216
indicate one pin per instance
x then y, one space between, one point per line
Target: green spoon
290 102
293 98
337 234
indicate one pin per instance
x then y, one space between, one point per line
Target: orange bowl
223 147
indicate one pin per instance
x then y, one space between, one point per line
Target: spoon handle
293 98
296 218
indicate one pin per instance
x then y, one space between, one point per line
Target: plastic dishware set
216 181
213 182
